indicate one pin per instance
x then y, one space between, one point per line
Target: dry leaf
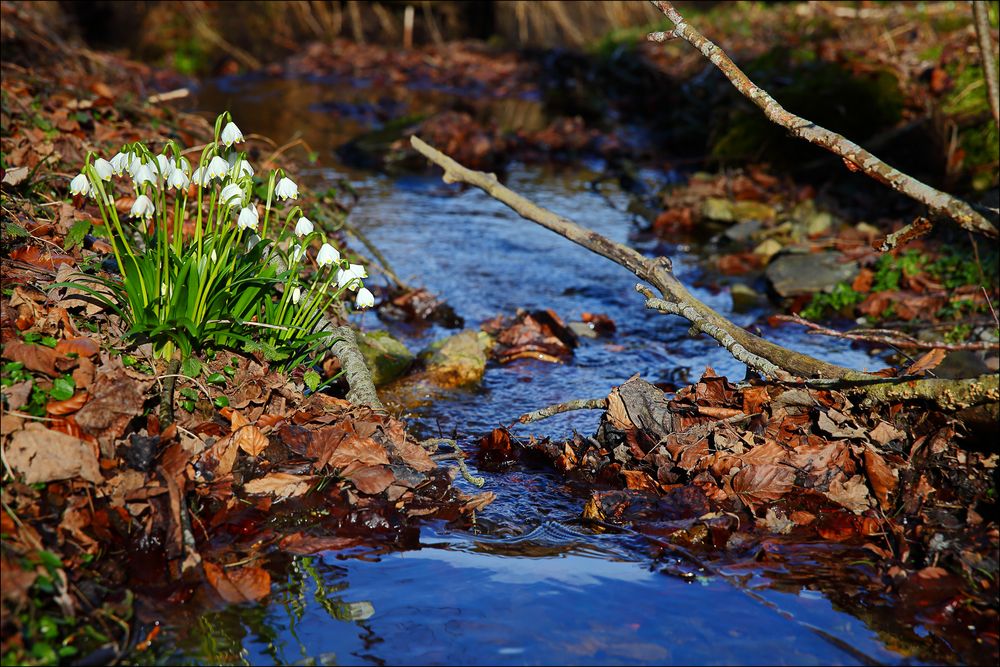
83 347
640 481
852 494
885 432
927 362
281 485
237 585
34 357
44 455
69 406
251 440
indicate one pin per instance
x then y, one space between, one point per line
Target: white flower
286 189
177 179
200 177
104 169
296 254
296 295
231 195
165 166
327 254
248 218
243 168
304 227
215 257
144 174
351 276
80 185
252 240
118 162
217 168
231 134
133 163
365 298
142 208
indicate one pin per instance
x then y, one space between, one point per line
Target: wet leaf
371 479
639 481
303 545
238 585
882 478
759 483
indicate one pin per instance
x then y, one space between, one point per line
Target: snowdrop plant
197 266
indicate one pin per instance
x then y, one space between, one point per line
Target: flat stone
808 273
742 231
386 357
744 211
456 361
768 248
717 208
818 224
582 329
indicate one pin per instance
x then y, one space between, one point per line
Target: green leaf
51 561
188 392
216 378
188 405
62 388
191 367
74 236
312 379
221 402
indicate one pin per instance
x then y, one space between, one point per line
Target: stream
530 584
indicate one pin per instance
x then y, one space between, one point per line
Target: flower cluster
203 226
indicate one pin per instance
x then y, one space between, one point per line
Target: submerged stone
456 361
386 357
744 297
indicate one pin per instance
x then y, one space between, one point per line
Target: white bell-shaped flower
177 179
296 254
144 174
118 163
286 189
231 195
364 299
352 276
142 208
304 227
104 169
217 168
242 168
80 185
296 295
200 177
165 166
327 255
248 218
231 134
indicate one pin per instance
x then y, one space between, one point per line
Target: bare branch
762 356
852 154
559 408
980 14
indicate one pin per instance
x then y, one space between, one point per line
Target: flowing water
530 585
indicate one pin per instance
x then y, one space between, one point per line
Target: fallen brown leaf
44 455
758 483
237 585
281 485
882 478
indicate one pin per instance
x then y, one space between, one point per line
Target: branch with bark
764 357
980 14
855 157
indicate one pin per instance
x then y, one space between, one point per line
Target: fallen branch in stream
764 357
855 157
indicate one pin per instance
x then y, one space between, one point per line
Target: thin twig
854 156
885 337
558 408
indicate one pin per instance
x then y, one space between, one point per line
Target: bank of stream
529 584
